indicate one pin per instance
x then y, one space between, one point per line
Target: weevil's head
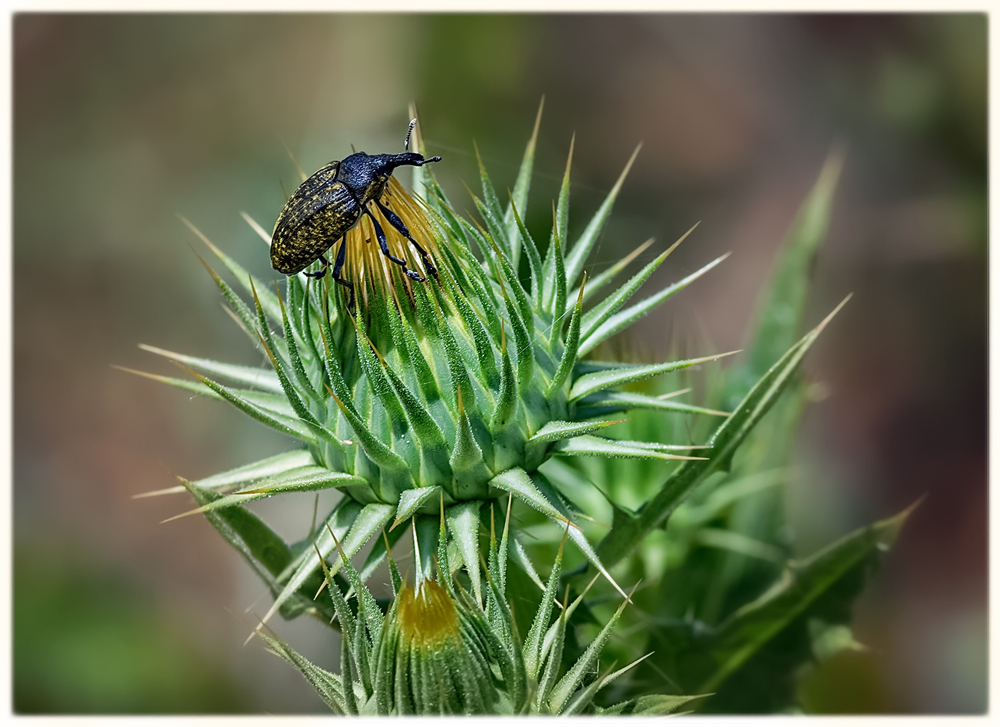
366 175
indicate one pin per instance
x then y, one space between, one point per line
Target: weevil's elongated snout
408 158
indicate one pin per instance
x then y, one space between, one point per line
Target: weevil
333 201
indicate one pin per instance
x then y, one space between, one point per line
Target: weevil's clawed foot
413 275
350 287
350 304
320 273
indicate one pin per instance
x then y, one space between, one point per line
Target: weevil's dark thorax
365 175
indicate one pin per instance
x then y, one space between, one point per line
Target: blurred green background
123 121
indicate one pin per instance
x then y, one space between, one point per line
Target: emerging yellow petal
367 267
427 618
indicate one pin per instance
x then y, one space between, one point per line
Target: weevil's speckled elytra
331 202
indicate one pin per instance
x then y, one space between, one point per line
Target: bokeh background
122 122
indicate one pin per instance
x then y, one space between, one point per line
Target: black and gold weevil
331 202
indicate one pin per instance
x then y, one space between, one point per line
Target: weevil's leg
338 266
320 273
396 222
384 244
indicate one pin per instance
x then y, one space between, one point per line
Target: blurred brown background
121 122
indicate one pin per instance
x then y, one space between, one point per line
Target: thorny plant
434 403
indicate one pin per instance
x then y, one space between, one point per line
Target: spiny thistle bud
438 650
458 387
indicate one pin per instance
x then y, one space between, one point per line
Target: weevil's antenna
409 130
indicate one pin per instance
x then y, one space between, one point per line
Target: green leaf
259 378
781 309
553 649
285 425
271 404
268 467
567 613
524 309
572 347
600 380
305 479
388 461
547 490
778 320
616 449
534 260
239 310
581 250
802 584
540 624
299 407
293 352
516 681
327 685
410 501
556 430
501 569
735 542
463 521
584 697
369 613
195 387
662 704
628 532
525 349
467 465
347 675
517 482
260 546
729 493
521 556
506 402
614 675
349 627
559 282
750 659
615 323
610 402
480 337
425 546
565 687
